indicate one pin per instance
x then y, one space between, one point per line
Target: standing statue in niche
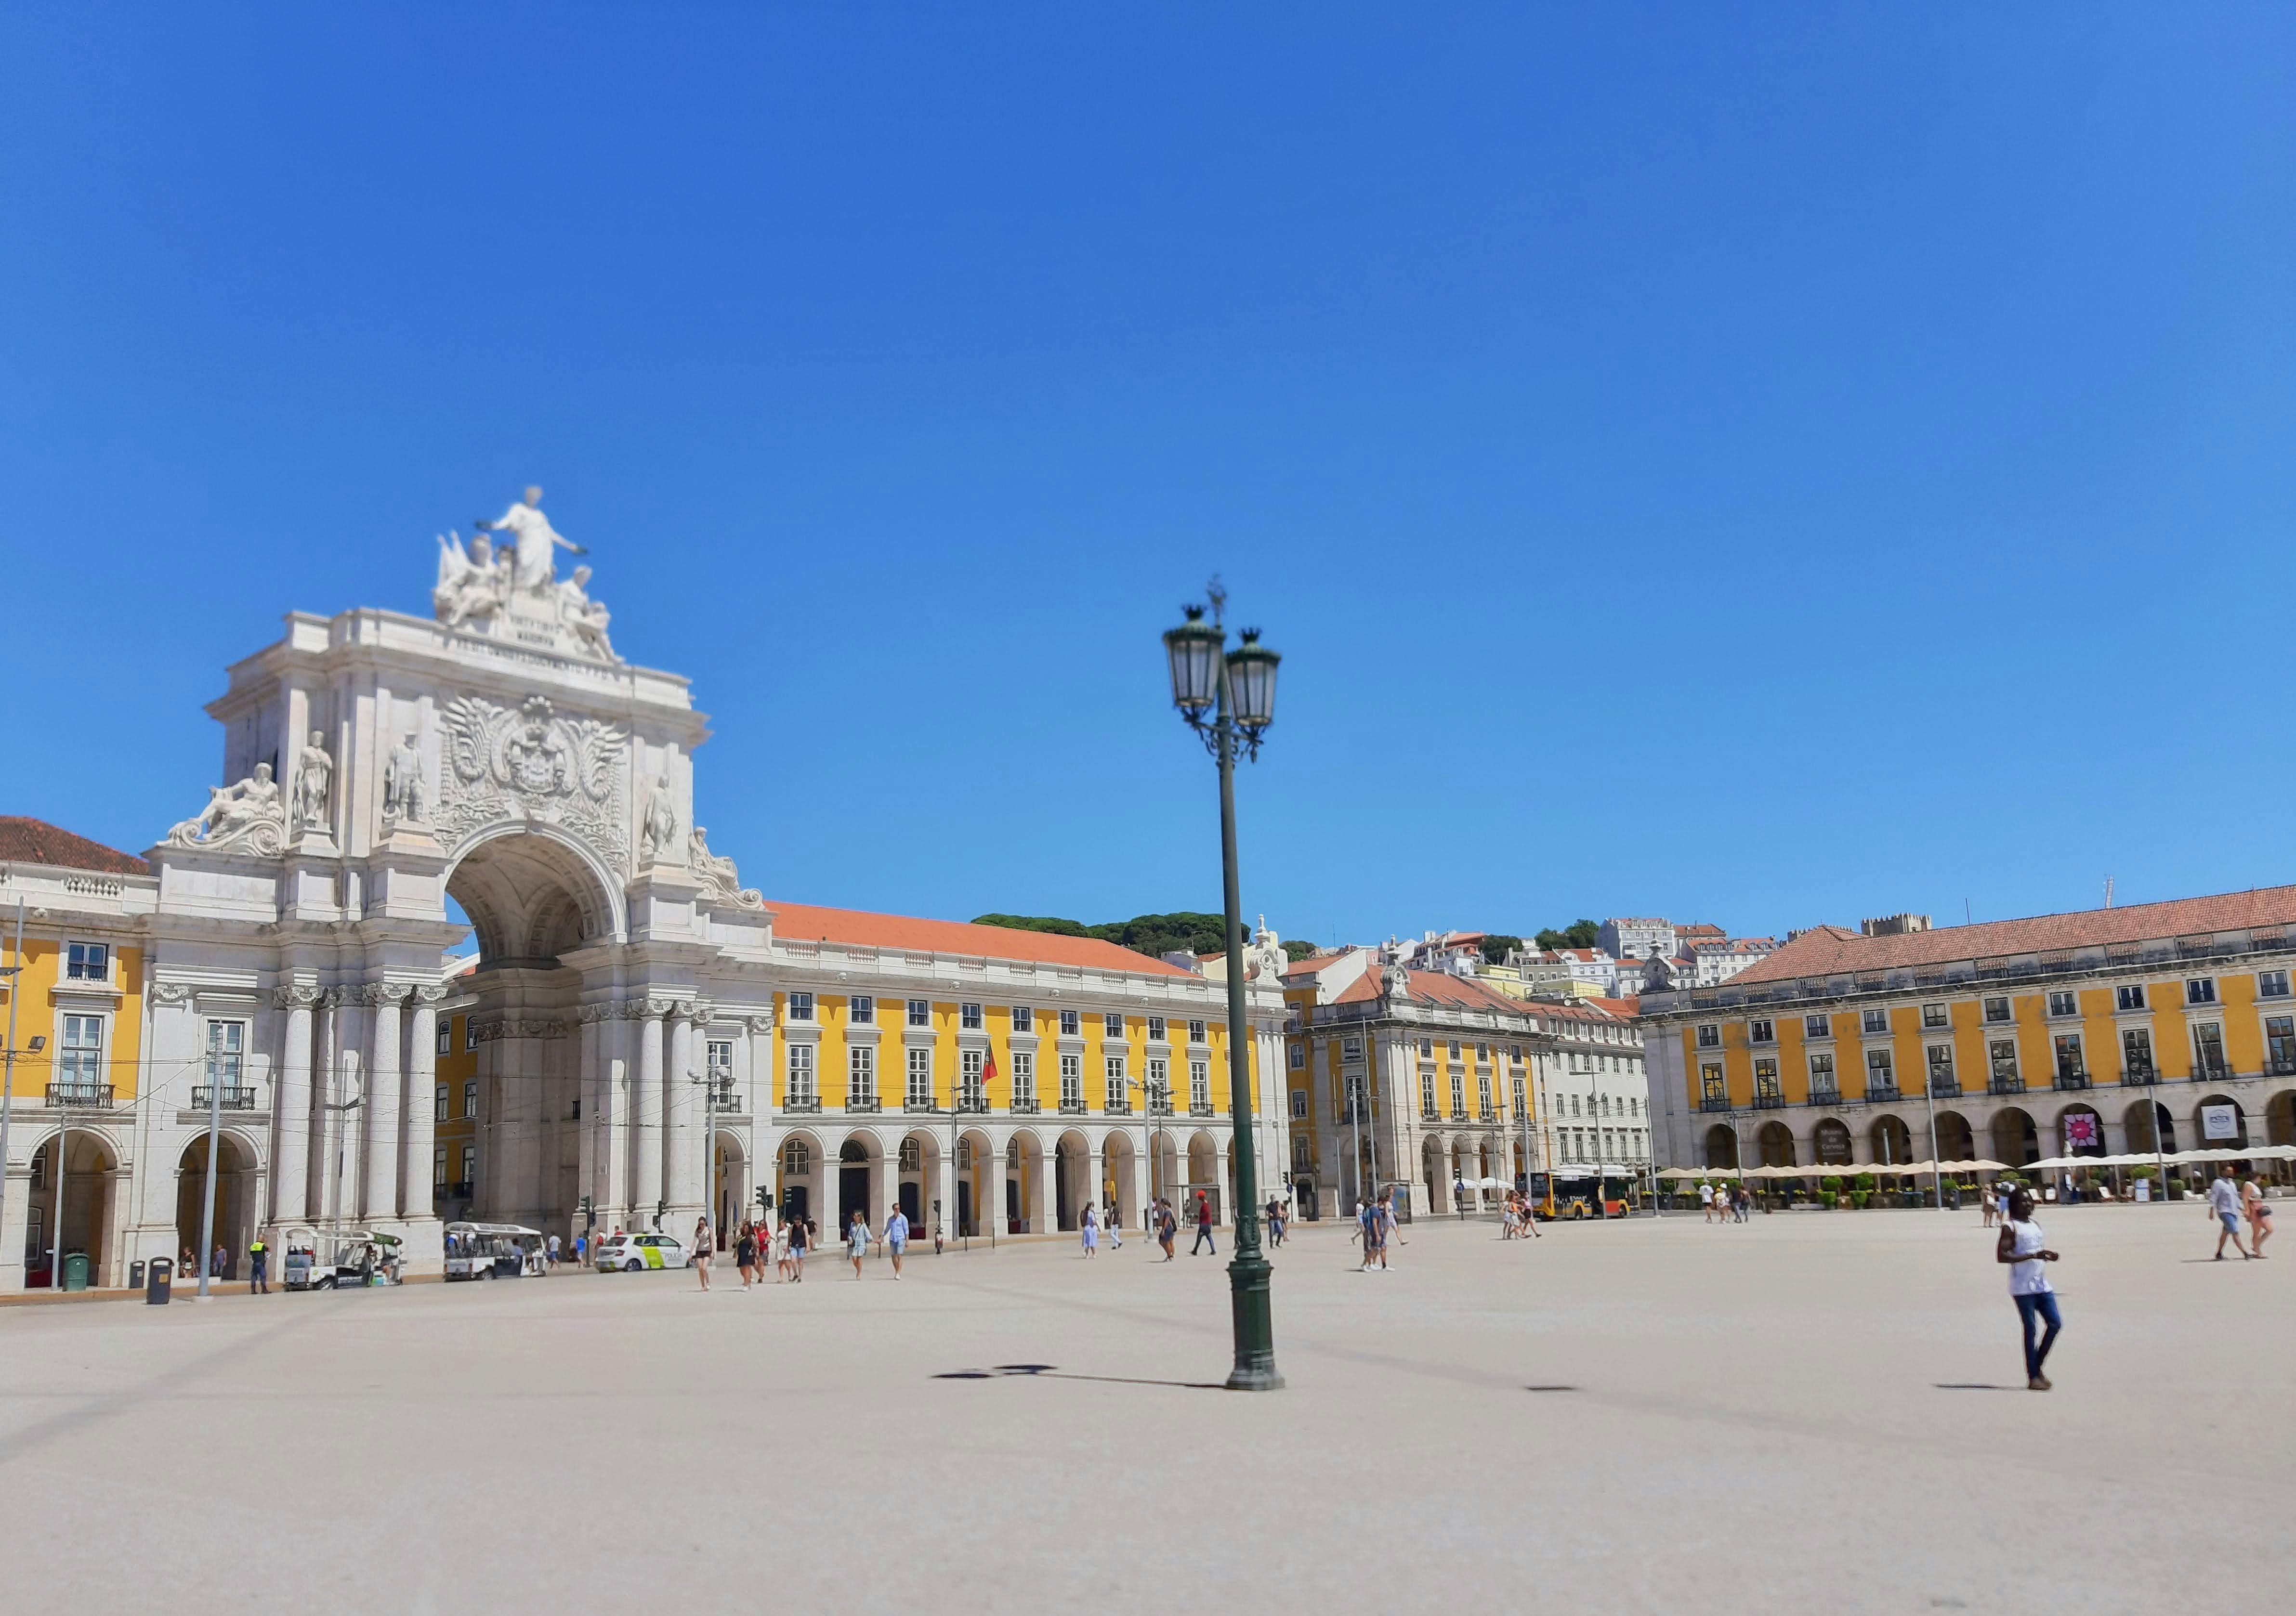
402 783
659 828
314 772
531 532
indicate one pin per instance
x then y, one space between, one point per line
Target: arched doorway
1431 1169
1893 1142
2080 1131
1955 1140
730 1194
1722 1147
1776 1143
979 1183
2219 1122
532 895
1071 1165
800 1155
2280 1119
234 1203
1203 1176
918 1183
2150 1128
2015 1141
1831 1141
854 1159
91 1169
1024 1187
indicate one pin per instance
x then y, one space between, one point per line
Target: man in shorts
896 1237
2224 1201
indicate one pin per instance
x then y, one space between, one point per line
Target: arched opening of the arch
81 1199
532 899
235 1202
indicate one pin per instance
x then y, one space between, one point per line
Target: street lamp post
1228 697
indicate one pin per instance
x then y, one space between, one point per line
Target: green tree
1496 946
1296 950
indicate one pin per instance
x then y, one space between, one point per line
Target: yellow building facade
2094 1032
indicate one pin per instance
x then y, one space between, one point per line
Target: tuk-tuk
299 1244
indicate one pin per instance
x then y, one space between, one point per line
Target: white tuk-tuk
492 1251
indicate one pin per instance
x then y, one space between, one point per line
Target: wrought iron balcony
2207 1074
808 1104
913 1107
1024 1105
1072 1107
92 1097
1199 1109
233 1100
1715 1102
725 1100
2070 1080
2006 1085
1120 1106
1827 1095
1769 1102
1431 1113
867 1107
1878 1093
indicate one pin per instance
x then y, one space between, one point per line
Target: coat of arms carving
534 762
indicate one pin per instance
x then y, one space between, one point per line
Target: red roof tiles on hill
28 841
806 922
1830 950
1434 987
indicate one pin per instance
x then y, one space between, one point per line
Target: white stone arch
978 1167
93 1158
483 876
797 1189
1028 1163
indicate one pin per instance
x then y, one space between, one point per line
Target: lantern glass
1193 649
1252 683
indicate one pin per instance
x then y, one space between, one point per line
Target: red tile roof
27 841
806 922
1313 962
1627 1007
1830 950
1434 987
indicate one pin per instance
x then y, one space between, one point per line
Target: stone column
422 1102
1043 1207
765 1141
645 1184
384 1086
614 1026
348 1081
290 1149
941 1187
683 1121
318 1138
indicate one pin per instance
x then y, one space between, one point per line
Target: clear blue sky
1765 465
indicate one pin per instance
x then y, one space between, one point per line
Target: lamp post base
1255 1327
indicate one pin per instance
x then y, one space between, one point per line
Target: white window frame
801 1006
439 1099
1156 1026
968 1017
76 963
2199 989
1111 1024
861 1009
917 1091
471 1098
2272 984
919 1012
861 1074
1071 1083
1200 1086
1874 1024
1195 1032
1071 1024
798 1076
1024 1019
1024 1079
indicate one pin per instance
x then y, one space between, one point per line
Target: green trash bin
75 1271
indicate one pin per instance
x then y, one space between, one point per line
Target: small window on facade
801 1006
1821 1074
1200 1087
2137 1052
1879 1072
1816 1026
1876 1021
439 1104
1111 1024
88 962
1298 1057
1760 1033
2065 1004
469 1163
1155 1029
863 1009
919 1012
1934 1016
446 1037
2201 990
1195 1032
1024 1019
1997 1009
2272 984
968 1017
2130 996
470 1035
1071 1021
2069 1056
800 1090
1298 1104
470 1099
1710 1036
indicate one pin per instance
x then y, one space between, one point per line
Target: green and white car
631 1253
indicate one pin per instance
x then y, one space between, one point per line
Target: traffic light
765 1198
589 1214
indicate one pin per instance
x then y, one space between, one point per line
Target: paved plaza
1653 1415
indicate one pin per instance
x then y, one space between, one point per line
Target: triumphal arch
636 1032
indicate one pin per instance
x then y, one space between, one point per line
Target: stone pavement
1823 1409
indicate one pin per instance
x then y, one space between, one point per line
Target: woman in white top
2022 1246
1088 1229
856 1241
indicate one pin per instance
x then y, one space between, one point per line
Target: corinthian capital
296 995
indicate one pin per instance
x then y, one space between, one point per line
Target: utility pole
207 1207
708 1149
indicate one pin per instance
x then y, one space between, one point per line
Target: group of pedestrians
1516 1221
1724 1202
1376 1232
761 1243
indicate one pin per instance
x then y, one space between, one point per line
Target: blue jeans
2042 1305
1203 1239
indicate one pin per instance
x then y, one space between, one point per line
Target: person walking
1459 1195
801 1237
704 1248
1088 1230
2259 1215
1373 1253
856 1240
1274 1223
896 1237
1167 1228
1203 1226
1705 1201
2224 1202
1985 1203
2025 1249
581 1250
745 1253
258 1269
1115 1228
